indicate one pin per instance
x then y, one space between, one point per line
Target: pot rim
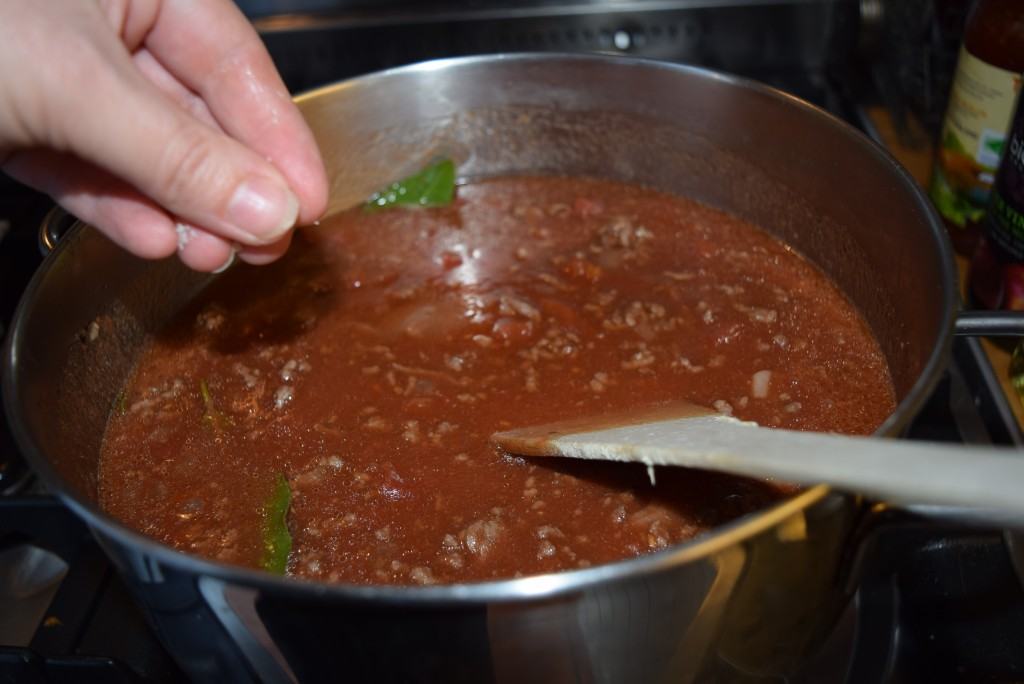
538 586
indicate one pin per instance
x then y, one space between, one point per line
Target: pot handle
990 324
53 227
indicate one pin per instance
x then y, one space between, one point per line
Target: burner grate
81 625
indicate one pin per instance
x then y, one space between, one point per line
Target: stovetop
20 210
935 601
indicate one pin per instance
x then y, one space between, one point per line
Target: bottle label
997 269
1006 220
981 104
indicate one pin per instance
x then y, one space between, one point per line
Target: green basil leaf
277 540
121 403
213 419
434 186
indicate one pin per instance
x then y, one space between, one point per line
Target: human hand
161 122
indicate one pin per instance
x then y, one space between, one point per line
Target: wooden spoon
900 471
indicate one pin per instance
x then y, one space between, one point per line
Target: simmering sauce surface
370 366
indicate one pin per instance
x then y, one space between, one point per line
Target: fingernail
263 209
227 264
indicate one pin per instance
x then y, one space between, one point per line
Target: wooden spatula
898 471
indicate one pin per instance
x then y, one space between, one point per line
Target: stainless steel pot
751 600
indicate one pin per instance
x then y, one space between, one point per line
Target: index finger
212 48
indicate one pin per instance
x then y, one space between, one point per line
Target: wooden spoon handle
899 471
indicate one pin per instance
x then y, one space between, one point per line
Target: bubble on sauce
481 536
393 493
283 396
619 514
455 362
250 376
545 550
422 575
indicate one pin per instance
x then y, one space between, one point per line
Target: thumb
188 167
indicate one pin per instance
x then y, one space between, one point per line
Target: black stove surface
68 618
21 211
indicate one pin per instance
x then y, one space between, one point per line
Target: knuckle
188 166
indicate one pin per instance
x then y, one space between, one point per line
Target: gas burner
66 616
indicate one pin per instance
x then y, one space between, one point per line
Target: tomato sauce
370 366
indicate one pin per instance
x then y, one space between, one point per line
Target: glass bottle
997 269
981 103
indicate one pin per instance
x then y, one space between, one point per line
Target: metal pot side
751 600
